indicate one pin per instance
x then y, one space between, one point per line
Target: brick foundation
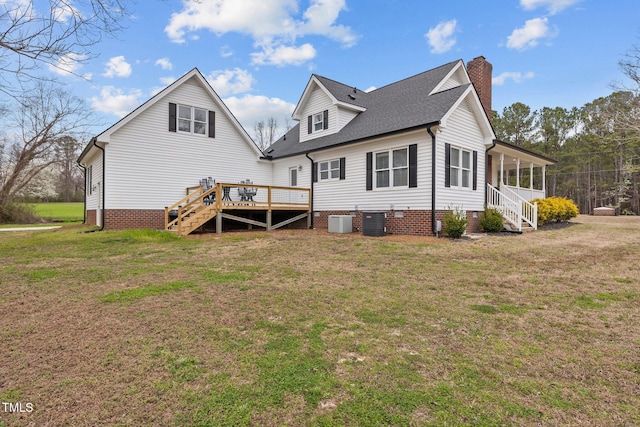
416 223
118 219
91 217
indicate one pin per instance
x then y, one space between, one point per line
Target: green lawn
142 328
60 212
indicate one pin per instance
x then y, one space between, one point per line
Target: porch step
526 228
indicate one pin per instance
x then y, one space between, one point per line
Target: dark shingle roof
399 106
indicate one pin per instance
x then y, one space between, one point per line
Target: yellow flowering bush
555 209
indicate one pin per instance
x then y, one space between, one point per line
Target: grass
59 212
304 328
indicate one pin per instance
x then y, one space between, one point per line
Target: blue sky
259 54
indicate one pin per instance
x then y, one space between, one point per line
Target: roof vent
351 97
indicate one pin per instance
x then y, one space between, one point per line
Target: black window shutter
369 171
475 170
212 124
314 172
172 117
447 165
343 162
325 120
413 165
309 124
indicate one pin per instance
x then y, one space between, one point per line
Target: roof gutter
312 193
433 179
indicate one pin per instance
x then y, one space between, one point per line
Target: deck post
309 221
269 220
219 222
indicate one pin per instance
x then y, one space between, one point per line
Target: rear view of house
410 151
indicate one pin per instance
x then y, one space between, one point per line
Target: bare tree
43 120
266 133
59 36
69 178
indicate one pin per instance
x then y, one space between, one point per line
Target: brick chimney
480 72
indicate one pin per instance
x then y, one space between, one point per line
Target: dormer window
318 122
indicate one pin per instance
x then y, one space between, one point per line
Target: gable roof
195 74
408 104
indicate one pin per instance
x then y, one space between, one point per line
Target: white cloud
529 35
515 76
62 12
441 37
167 80
117 67
164 63
115 101
553 6
370 89
251 109
274 25
69 64
320 18
226 51
284 55
230 82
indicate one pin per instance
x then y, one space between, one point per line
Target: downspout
486 168
84 196
312 193
433 181
95 144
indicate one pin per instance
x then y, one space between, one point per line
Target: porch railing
513 208
529 210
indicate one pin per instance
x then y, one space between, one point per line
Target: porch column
502 169
531 180
518 173
544 181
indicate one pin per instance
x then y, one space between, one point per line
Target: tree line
597 146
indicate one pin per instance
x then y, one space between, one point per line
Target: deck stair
518 213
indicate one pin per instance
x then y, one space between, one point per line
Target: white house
144 162
413 149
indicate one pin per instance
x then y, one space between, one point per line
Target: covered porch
520 170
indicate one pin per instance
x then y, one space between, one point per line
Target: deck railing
200 205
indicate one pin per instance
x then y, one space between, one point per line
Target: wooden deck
233 202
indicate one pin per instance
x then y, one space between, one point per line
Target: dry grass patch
307 328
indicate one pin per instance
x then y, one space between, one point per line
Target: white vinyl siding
149 167
318 102
93 190
281 169
346 194
463 133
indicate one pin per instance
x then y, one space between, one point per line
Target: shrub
17 213
455 222
555 209
491 221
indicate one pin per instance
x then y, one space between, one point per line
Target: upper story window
392 168
199 121
460 171
191 119
318 122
